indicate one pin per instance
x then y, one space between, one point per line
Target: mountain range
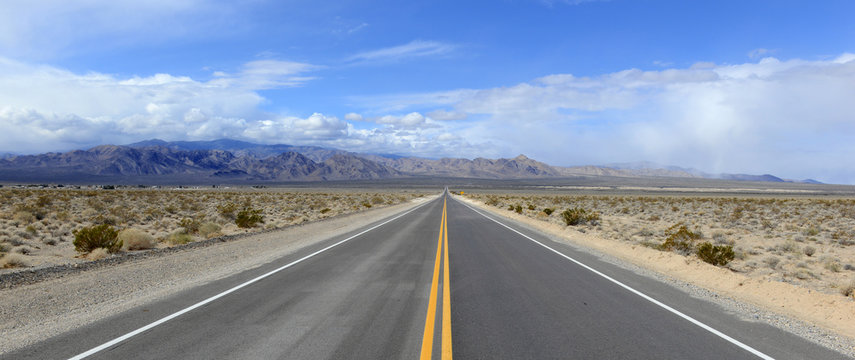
227 160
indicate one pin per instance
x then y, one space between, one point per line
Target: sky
721 86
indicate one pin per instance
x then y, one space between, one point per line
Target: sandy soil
828 310
30 313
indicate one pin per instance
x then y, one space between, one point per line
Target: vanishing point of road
441 280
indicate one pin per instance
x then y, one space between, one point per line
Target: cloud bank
793 118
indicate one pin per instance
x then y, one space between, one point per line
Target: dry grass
37 225
10 261
97 254
135 239
805 241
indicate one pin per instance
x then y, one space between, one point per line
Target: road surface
440 281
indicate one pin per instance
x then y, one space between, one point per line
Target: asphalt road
497 293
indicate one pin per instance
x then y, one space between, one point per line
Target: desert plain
38 225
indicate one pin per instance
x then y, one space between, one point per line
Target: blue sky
721 86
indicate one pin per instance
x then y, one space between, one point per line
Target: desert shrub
492 201
548 211
249 217
518 209
579 216
24 217
772 261
789 246
511 207
719 255
63 216
811 231
809 250
99 236
134 239
325 210
179 237
366 204
97 254
209 228
227 210
9 261
680 239
191 225
531 207
848 290
377 200
105 220
832 265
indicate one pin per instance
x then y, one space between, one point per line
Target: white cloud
45 108
267 74
353 117
412 120
792 118
445 115
415 48
760 53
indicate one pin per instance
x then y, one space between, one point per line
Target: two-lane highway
438 281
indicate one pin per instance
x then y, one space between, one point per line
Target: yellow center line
427 339
446 295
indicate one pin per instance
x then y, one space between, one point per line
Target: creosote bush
99 236
719 255
227 210
580 216
680 239
191 225
548 211
249 217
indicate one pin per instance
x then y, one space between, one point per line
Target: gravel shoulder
826 319
36 311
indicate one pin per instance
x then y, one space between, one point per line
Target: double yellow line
427 339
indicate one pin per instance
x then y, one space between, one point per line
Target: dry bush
179 237
9 261
135 239
209 229
98 254
848 290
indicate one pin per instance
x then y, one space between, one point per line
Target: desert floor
809 242
37 226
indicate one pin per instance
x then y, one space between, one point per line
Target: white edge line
634 291
229 291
